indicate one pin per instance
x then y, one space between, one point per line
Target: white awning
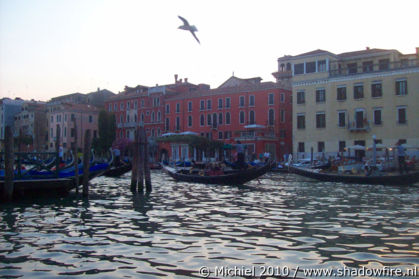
254 126
168 134
188 133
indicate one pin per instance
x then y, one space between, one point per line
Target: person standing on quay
401 155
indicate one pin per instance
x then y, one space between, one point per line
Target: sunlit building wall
343 100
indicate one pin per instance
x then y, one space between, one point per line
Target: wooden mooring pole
76 158
135 160
9 163
57 150
140 165
86 163
140 161
147 176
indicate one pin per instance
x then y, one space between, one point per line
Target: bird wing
196 38
184 20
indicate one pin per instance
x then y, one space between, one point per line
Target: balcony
254 134
359 126
127 125
372 68
281 75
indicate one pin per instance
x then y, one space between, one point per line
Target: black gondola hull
233 178
45 186
116 171
385 179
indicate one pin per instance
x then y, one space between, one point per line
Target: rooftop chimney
367 48
417 51
186 80
175 78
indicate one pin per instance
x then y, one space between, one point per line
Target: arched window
251 117
190 121
241 117
167 124
214 120
282 67
271 117
202 120
228 118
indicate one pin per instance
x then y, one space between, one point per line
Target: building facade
8 109
30 126
346 99
73 120
96 98
254 112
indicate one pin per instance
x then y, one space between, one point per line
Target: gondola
115 171
279 168
49 183
394 179
231 177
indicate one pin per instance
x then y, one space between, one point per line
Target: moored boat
115 171
50 183
230 177
383 178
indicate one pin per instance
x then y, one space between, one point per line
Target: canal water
282 224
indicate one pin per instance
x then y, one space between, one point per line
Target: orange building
254 112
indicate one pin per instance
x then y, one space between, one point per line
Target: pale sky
50 48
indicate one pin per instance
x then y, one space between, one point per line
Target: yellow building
342 100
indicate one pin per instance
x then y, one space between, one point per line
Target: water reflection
179 227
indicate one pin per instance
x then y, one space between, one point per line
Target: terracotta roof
127 95
310 53
131 92
79 107
315 52
67 96
363 52
235 81
226 90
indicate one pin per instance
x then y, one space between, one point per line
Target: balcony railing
359 126
283 74
372 68
253 135
127 125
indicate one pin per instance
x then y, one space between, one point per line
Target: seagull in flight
191 28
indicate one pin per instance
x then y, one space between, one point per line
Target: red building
254 112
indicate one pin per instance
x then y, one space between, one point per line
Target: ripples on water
284 221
